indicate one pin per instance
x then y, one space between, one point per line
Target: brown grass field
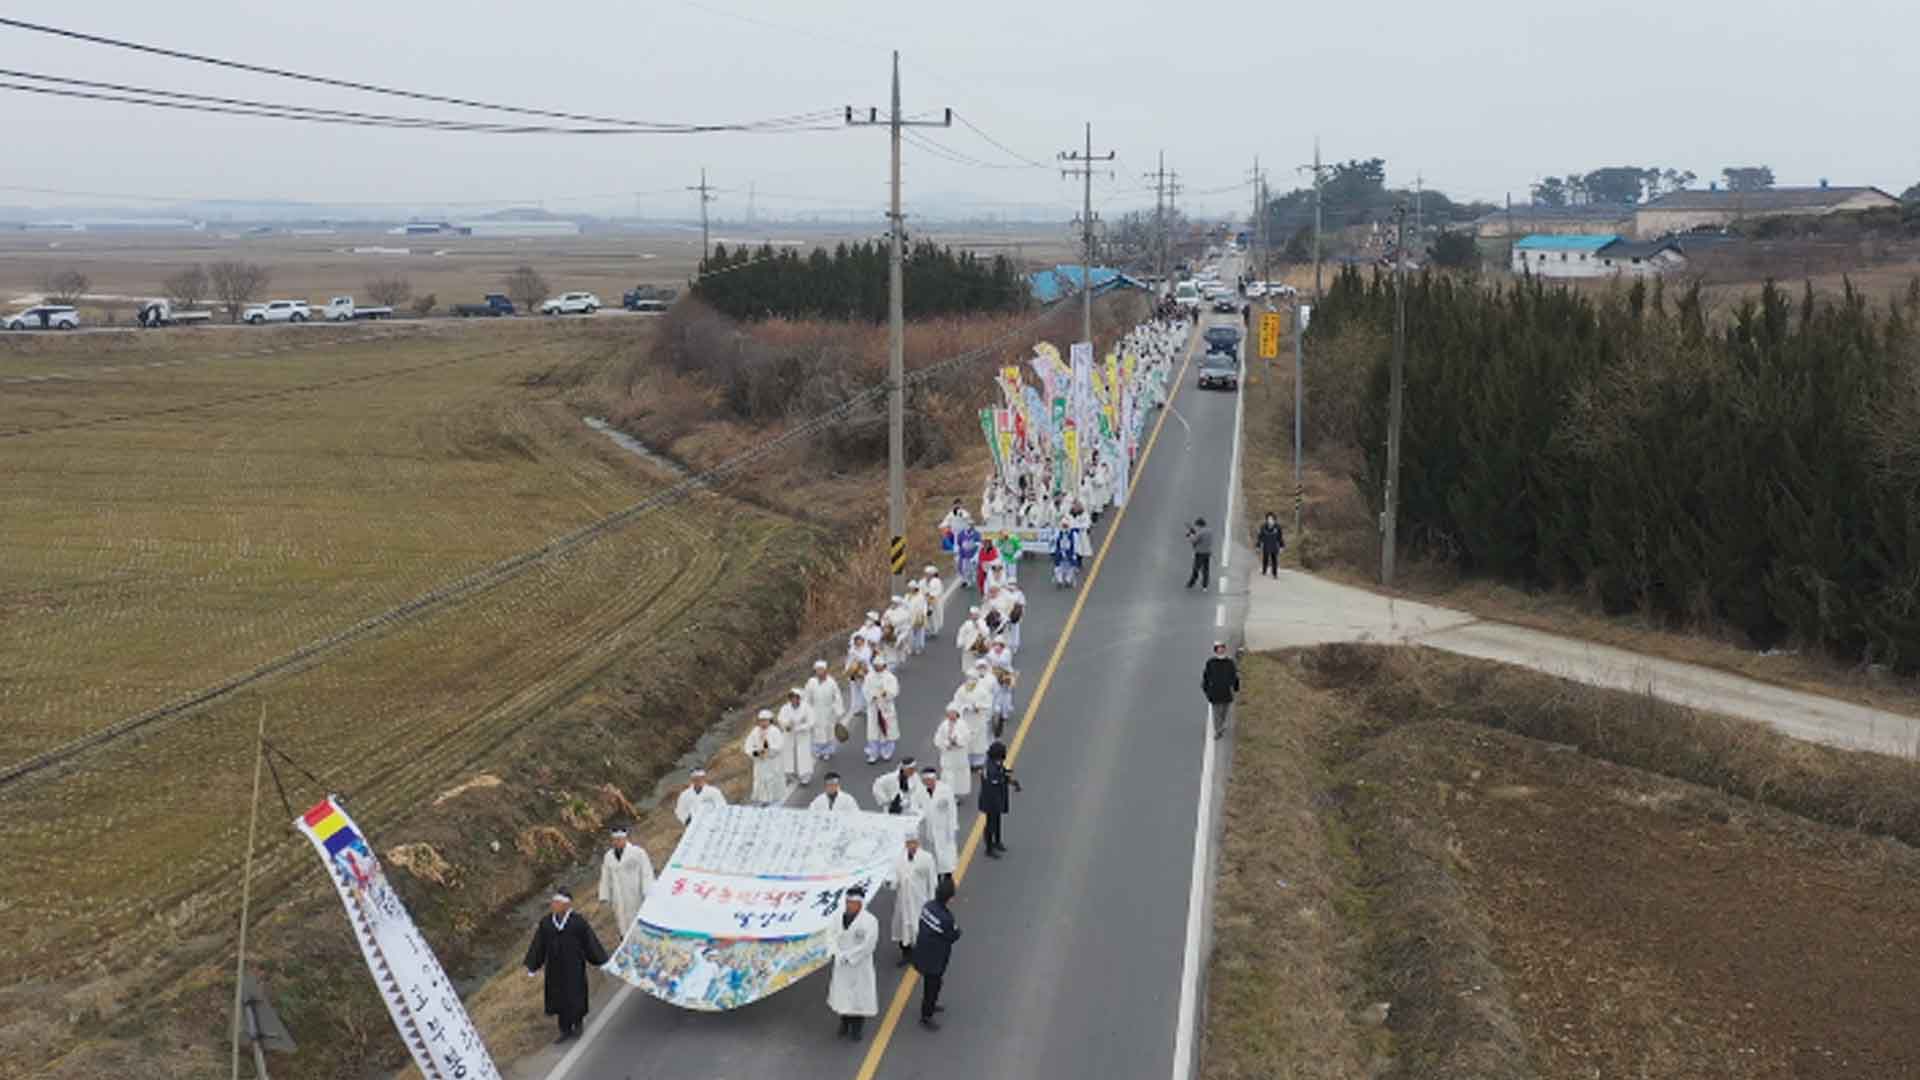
173 526
1436 867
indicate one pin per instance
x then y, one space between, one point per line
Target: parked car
156 313
343 309
648 298
494 306
573 303
1220 370
1223 339
1187 296
1225 304
286 311
45 317
1256 289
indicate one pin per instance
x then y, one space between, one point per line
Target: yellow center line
904 992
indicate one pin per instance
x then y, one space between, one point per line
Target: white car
286 311
45 317
1256 290
1187 296
573 303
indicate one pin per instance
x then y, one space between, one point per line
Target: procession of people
1063 451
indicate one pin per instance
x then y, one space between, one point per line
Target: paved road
1298 609
1076 942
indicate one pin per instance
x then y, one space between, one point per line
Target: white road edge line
1220 615
600 1021
1183 1033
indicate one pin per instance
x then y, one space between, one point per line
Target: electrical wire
372 88
1002 147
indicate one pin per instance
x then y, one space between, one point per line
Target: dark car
1223 339
1220 370
494 306
1225 304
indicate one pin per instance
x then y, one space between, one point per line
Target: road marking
1183 1034
904 992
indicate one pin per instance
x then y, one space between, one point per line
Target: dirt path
1299 609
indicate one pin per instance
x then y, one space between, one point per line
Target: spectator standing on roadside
995 798
932 949
1271 540
1201 538
1220 681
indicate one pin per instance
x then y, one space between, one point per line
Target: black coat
933 945
1271 539
995 784
1220 681
565 954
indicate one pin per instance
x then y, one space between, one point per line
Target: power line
348 84
1003 147
274 112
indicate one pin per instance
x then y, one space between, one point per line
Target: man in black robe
564 945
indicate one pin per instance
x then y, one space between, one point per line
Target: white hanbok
795 722
936 611
841 803
887 785
913 885
691 801
939 824
974 699
883 709
964 639
626 877
952 739
764 746
825 705
851 991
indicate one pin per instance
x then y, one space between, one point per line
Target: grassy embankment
1439 867
196 520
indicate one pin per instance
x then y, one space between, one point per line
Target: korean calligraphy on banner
749 902
425 1009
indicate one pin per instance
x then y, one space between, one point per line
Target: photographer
1201 539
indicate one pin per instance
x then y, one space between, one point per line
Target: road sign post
897 555
1269 335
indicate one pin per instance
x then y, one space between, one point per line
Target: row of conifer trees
1756 468
850 282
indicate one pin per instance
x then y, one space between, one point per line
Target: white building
510 227
1561 256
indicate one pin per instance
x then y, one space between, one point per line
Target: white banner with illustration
749 901
426 1010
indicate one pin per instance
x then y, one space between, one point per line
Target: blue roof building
1557 256
1063 280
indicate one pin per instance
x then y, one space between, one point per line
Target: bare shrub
236 284
390 291
64 286
527 288
424 306
186 287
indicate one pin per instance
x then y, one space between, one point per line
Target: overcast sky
1478 96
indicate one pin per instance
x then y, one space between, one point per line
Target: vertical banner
993 443
425 1009
1072 444
1123 463
1003 431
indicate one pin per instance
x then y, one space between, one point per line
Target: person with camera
996 784
1200 538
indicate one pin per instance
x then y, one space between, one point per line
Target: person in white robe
1016 614
825 708
832 800
951 740
871 631
936 593
975 699
939 821
697 795
967 639
859 663
898 633
851 992
893 789
1000 659
764 745
626 877
883 712
917 618
795 722
915 873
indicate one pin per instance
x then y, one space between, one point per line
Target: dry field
172 527
1437 867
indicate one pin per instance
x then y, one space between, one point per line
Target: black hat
857 892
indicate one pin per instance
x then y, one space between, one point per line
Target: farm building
1641 258
1561 256
1553 221
1051 285
1683 211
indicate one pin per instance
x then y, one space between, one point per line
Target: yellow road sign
897 554
1269 335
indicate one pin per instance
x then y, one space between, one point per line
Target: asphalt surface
1074 943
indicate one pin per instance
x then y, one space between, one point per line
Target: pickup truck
573 303
287 311
157 313
343 309
495 306
647 298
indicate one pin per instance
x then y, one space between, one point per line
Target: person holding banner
915 874
626 876
825 707
795 724
697 795
883 712
563 946
851 992
833 800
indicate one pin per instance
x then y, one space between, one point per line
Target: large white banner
426 1010
749 902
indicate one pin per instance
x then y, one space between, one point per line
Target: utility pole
1159 178
1253 224
706 196
1083 168
1390 519
1318 171
896 335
